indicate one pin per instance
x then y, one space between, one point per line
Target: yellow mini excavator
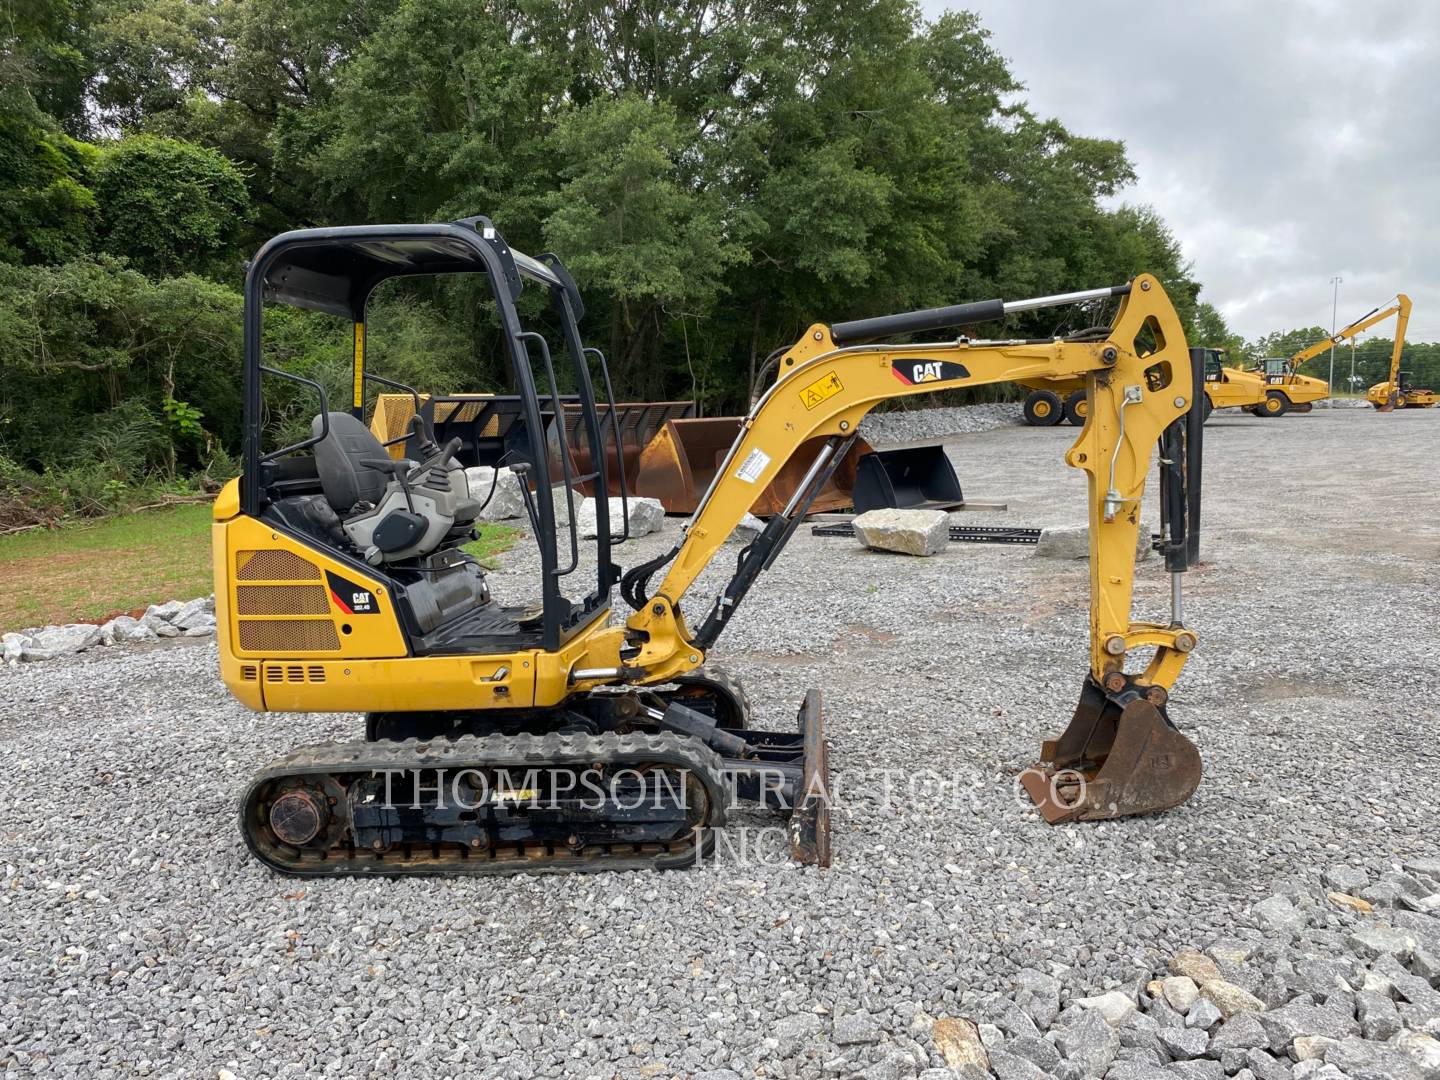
504 737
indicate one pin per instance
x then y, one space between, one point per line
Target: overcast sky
1285 142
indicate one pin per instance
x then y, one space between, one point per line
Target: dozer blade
1113 761
810 817
678 464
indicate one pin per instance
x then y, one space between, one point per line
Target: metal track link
332 768
970 534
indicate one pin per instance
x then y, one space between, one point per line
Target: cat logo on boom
914 372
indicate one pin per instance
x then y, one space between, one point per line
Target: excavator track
487 804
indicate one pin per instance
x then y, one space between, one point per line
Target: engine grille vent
281 600
295 673
274 566
289 635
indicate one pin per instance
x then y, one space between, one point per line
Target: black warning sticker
350 598
914 372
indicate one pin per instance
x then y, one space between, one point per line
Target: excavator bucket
635 423
1113 761
679 463
911 478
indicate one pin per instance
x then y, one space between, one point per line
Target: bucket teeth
1113 761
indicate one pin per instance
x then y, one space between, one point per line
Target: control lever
424 437
521 469
397 471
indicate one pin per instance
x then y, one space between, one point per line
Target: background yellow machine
1397 391
1289 391
551 737
1052 399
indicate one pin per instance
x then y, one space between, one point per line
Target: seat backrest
337 459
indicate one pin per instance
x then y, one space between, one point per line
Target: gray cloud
1284 142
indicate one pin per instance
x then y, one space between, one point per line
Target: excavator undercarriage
553 737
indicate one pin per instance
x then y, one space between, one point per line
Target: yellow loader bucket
678 464
1114 760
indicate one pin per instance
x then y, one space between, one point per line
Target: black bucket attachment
915 478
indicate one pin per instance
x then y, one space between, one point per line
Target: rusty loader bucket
491 429
678 464
635 423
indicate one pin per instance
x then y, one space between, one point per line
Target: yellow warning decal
826 386
358 372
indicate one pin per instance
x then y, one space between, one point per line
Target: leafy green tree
86 336
46 206
635 225
168 206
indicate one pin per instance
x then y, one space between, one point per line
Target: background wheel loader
1053 400
504 737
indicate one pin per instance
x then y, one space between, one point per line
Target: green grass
494 541
97 569
124 563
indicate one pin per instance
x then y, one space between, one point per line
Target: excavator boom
1401 307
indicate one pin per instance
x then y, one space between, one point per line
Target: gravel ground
140 938
907 425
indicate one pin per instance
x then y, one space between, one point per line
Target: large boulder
646 516
53 641
1089 1044
749 528
910 532
12 647
124 628
508 498
193 613
1073 542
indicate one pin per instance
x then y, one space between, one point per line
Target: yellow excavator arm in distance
1401 307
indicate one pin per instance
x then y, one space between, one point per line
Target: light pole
1334 308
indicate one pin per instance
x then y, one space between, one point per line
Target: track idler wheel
1120 756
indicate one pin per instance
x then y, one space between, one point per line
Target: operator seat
391 510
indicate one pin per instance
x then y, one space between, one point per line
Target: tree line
717 174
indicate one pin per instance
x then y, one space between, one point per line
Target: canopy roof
336 270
